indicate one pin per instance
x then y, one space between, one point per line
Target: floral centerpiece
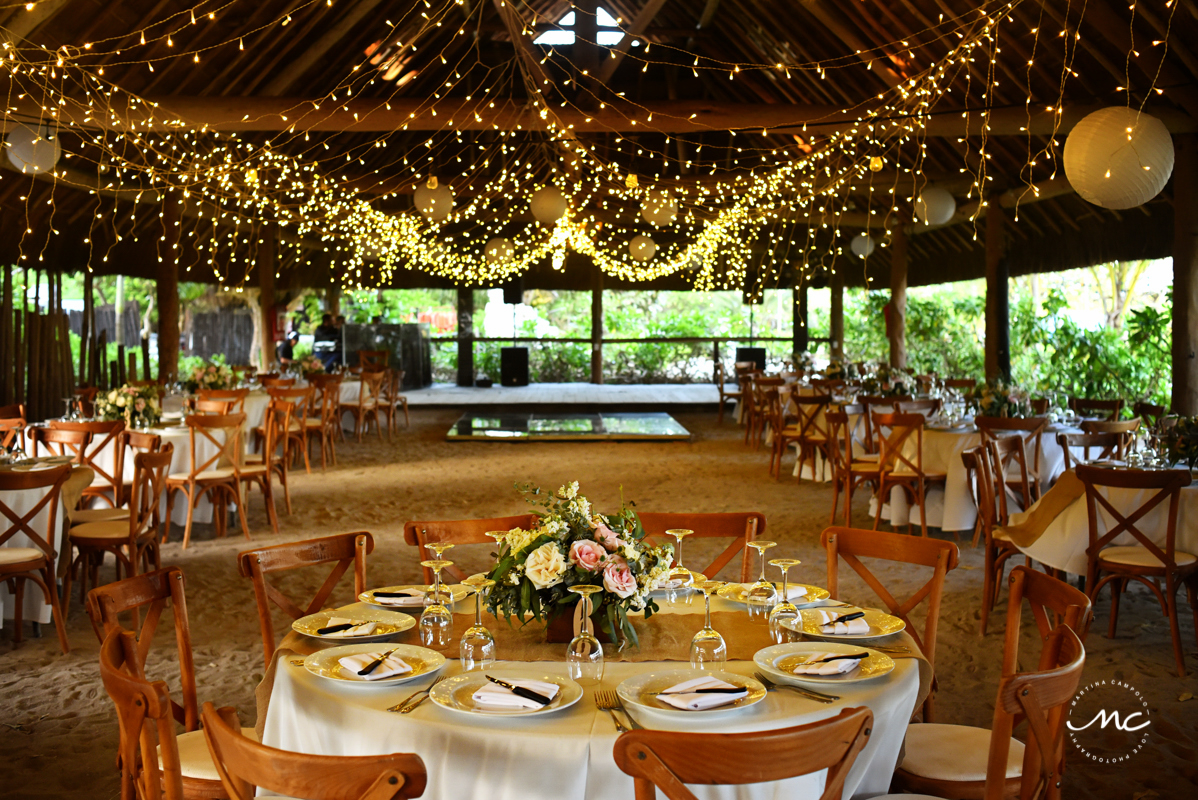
840 370
310 363
573 544
1182 442
138 406
996 398
889 382
215 377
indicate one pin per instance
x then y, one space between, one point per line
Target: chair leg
881 495
56 611
719 419
835 498
407 418
268 496
245 529
923 509
191 507
18 617
988 582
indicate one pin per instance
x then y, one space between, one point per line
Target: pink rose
140 404
607 537
587 555
617 577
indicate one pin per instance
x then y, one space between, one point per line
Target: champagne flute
784 610
436 623
708 646
499 537
584 656
438 549
477 648
761 596
679 576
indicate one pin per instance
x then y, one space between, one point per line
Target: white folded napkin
683 695
492 695
364 629
858 625
837 667
417 598
394 665
792 592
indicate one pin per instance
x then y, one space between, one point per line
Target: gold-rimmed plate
387 624
642 690
325 663
459 592
661 588
811 594
457 693
880 624
780 660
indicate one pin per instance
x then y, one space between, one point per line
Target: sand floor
59 734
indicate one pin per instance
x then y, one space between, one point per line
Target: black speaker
513 293
513 366
754 354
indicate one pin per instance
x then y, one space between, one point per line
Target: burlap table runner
1028 526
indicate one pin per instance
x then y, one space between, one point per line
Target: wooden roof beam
638 27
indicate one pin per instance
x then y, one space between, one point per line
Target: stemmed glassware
679 577
761 596
584 656
436 597
784 610
708 646
436 623
477 648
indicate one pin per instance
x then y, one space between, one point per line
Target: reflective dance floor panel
567 427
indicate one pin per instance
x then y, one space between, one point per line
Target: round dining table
568 753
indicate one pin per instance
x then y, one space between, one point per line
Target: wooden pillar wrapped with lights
836 313
998 317
799 311
597 325
1185 275
267 264
896 321
465 336
168 289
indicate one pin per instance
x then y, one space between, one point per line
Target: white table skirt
1063 543
36 609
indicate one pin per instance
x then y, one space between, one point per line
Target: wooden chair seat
1140 557
865 466
23 556
116 529
218 474
955 753
929 475
195 759
88 515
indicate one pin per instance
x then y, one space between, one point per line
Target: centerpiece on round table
311 365
573 544
214 377
1182 442
996 398
888 382
138 406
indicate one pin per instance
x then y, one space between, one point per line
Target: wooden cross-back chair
59 442
847 472
108 485
217 476
1030 429
85 399
1052 601
667 760
214 407
33 561
1084 407
128 441
897 469
967 762
391 397
325 425
1147 561
373 360
458 532
928 408
1012 480
235 396
367 406
758 402
341 550
998 548
1125 430
260 470
1150 414
721 383
12 410
828 385
12 432
133 540
740 526
276 382
850 545
295 435
874 404
244 766
810 431
1107 445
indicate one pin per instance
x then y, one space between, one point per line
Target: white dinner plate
659 590
459 594
780 660
641 691
389 624
323 663
736 593
456 693
880 624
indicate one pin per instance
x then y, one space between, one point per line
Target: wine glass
708 646
477 648
784 610
761 596
679 576
446 599
584 656
436 623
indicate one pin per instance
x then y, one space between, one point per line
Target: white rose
545 566
112 396
120 401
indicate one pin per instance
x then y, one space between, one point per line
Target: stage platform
504 426
570 397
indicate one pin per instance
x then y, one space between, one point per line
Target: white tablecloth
1063 543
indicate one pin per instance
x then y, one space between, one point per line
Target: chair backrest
668 760
12 432
12 522
393 385
1009 473
277 383
342 550
245 765
216 407
460 531
85 397
1168 484
1030 428
372 386
876 405
58 442
104 434
149 482
1083 406
1107 443
301 398
893 431
153 593
1124 429
927 408
12 410
264 376
135 442
236 396
811 412
223 431
148 750
840 440
276 425
1053 602
740 526
373 359
1149 413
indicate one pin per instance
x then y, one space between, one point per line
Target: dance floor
521 427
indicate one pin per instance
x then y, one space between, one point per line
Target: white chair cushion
98 515
15 555
954 752
195 760
117 529
1138 556
206 475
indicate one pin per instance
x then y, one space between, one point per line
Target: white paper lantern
642 247
499 250
659 208
436 203
33 149
1118 158
548 204
935 206
862 245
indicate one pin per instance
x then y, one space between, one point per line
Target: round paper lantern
499 250
33 149
1118 158
862 245
659 208
642 247
548 204
434 200
935 206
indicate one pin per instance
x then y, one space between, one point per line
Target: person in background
339 355
287 349
327 343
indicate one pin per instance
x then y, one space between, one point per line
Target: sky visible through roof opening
609 32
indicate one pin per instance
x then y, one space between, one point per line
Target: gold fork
400 705
604 701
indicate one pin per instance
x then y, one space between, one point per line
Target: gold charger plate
388 623
324 663
880 624
780 660
460 592
642 690
736 593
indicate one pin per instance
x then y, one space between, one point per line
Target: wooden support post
836 314
168 290
998 317
896 330
266 296
465 336
1185 275
332 300
799 331
597 325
